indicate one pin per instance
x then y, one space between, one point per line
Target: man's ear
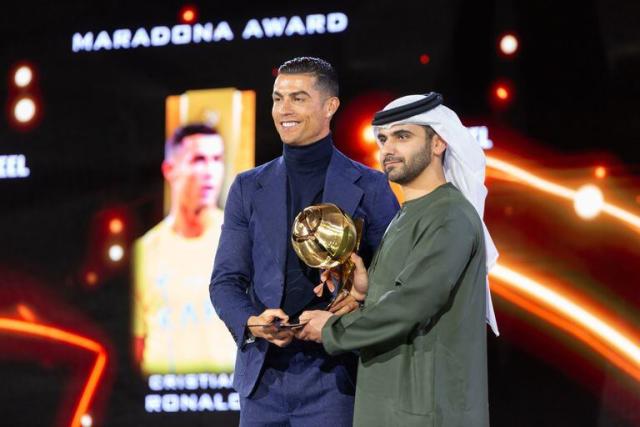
438 146
167 169
331 106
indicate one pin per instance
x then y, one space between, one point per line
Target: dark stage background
95 146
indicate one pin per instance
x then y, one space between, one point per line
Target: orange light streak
600 334
26 313
565 314
56 334
559 190
570 327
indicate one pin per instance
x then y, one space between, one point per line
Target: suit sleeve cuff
241 333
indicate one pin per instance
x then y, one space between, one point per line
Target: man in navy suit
257 277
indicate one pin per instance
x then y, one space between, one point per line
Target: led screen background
93 155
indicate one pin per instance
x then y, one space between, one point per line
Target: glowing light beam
560 311
559 190
56 334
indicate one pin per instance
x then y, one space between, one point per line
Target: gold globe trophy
324 236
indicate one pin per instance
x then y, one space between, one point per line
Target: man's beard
408 170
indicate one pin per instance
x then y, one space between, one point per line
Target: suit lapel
339 187
270 209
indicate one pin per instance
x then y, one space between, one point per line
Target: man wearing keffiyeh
421 333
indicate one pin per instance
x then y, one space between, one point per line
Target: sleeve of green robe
424 287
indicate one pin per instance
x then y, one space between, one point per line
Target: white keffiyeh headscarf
464 164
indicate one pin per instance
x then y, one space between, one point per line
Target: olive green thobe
421 333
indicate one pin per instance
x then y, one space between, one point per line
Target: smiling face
301 111
195 171
405 152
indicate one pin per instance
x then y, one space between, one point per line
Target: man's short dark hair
182 132
325 74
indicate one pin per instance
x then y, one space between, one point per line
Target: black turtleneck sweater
306 171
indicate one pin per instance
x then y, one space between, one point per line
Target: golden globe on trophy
324 236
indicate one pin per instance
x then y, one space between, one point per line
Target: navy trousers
301 385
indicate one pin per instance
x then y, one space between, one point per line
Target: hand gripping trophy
324 236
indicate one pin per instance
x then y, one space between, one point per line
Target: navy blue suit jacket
249 269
